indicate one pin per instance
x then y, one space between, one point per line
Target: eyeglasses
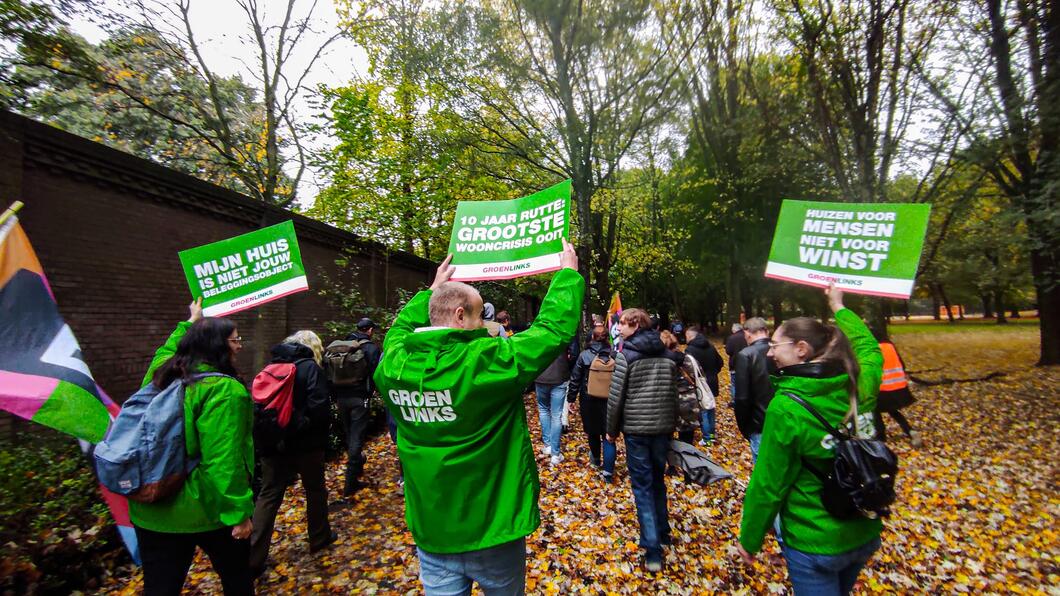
774 344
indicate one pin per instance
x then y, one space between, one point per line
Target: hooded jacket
218 421
643 396
709 359
308 430
457 396
780 483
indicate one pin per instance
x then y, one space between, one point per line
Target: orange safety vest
893 373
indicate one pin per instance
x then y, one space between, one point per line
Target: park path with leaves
977 510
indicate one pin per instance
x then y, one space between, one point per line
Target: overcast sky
222 30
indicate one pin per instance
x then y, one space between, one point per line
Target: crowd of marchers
452 374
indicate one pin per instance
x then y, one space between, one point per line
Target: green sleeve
774 474
167 350
869 357
414 314
553 328
224 426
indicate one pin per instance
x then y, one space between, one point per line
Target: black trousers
898 416
355 418
167 556
279 472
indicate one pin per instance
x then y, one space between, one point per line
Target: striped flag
43 376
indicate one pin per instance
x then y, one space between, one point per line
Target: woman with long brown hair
836 369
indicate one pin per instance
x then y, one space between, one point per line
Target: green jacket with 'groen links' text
457 395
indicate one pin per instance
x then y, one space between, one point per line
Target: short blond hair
669 339
636 316
447 298
310 340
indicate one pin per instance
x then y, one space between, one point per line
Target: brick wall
107 227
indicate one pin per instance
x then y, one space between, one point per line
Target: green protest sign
865 248
509 239
245 271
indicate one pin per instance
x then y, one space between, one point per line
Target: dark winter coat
736 342
593 409
708 358
754 390
308 428
372 354
643 396
557 373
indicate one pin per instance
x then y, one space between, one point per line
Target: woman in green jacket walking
829 367
213 508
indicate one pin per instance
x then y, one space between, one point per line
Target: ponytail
828 344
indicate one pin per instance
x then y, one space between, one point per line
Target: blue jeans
732 383
756 441
706 423
827 575
610 454
551 399
646 463
498 570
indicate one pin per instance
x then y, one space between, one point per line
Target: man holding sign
864 248
471 484
509 239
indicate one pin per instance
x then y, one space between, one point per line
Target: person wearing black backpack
594 407
297 448
829 370
353 401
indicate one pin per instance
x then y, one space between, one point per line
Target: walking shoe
653 564
331 540
915 439
702 443
608 478
555 459
547 451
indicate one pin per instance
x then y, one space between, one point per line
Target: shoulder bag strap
831 429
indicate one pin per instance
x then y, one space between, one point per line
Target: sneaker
653 564
915 439
555 459
608 478
702 443
547 451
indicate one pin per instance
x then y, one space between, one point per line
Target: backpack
346 363
273 394
598 384
144 455
698 468
861 482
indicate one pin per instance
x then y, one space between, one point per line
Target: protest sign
509 239
865 248
245 271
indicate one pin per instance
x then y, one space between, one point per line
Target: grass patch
967 325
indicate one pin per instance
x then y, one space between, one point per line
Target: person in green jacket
471 483
829 367
213 508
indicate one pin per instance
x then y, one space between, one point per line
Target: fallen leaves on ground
977 510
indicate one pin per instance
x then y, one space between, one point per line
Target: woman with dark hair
594 407
213 508
837 370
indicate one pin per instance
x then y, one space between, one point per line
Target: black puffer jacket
708 358
308 429
643 396
754 390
